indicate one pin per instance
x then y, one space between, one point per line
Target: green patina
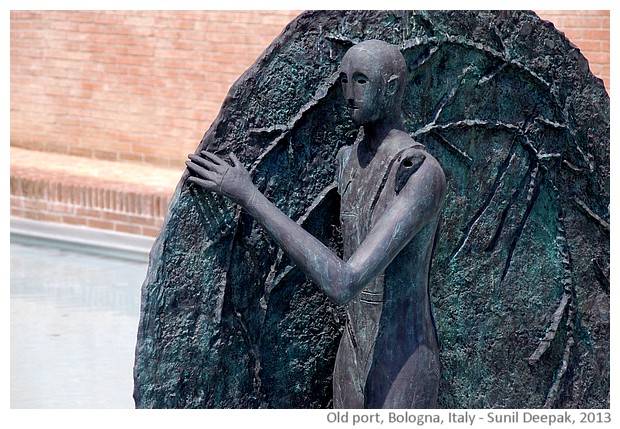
520 278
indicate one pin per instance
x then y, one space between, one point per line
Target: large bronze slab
520 278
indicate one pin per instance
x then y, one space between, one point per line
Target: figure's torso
393 308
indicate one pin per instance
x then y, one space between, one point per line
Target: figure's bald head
382 56
382 66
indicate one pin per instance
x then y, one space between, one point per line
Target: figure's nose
349 95
346 91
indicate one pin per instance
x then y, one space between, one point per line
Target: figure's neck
375 134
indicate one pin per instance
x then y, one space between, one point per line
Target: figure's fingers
205 163
214 158
207 184
234 159
201 171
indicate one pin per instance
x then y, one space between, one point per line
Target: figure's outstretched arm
417 203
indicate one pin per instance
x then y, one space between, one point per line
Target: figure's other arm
418 202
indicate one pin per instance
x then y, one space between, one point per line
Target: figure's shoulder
343 154
409 157
404 147
399 141
342 157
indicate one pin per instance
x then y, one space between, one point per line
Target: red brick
19 212
128 228
581 21
99 224
588 46
605 46
113 216
594 34
151 231
143 220
73 220
89 211
598 58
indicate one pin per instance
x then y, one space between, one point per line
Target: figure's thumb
234 159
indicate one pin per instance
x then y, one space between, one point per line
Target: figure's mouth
353 106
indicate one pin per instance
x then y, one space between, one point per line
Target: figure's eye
343 78
360 78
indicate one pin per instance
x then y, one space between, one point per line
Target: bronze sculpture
392 192
520 276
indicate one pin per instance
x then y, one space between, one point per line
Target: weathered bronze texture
519 283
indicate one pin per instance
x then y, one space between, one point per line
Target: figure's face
363 88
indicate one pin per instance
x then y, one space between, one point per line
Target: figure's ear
393 84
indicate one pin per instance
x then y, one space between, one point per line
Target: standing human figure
392 191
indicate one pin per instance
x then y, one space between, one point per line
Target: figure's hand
214 174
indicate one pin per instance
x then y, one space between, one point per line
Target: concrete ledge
83 239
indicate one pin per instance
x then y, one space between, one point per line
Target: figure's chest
365 191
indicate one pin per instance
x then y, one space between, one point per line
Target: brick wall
113 101
114 196
128 85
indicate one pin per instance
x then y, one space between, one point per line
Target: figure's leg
415 386
347 385
417 383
